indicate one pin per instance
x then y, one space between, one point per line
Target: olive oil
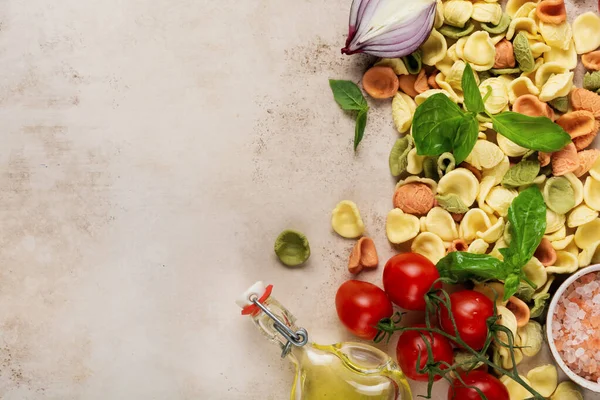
344 371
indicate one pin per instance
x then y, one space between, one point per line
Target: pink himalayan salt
576 332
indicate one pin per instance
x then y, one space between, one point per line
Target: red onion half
389 28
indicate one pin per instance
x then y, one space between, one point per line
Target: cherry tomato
471 310
489 385
360 306
406 279
411 344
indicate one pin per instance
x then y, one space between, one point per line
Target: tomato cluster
407 279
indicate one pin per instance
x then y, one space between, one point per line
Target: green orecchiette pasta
398 159
523 53
413 62
500 28
452 203
591 81
453 32
560 104
521 174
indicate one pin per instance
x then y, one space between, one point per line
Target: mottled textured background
151 152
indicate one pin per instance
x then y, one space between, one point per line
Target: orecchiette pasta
457 12
581 215
475 220
415 162
480 51
401 227
589 255
427 94
563 243
554 221
586 32
478 246
577 186
498 171
493 233
566 263
559 234
595 170
557 35
434 49
394 63
499 199
566 58
545 71
430 246
509 147
591 193
485 154
559 194
538 48
403 109
487 12
498 100
544 379
587 234
440 222
557 86
521 87
439 15
521 24
525 10
346 220
536 272
512 6
461 182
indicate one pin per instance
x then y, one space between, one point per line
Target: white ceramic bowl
595 387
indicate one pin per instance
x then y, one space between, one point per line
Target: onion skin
396 39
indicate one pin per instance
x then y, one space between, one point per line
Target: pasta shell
487 12
538 48
493 233
591 193
502 356
485 154
440 222
552 11
478 246
521 24
559 195
505 56
535 272
520 87
537 64
458 245
577 186
557 86
480 51
421 84
554 221
587 234
508 320
524 10
457 13
364 255
577 123
498 100
582 99
475 220
586 32
415 162
582 142
591 61
346 221
545 253
546 71
431 80
595 170
567 390
563 243
573 249
520 310
442 82
429 245
509 147
394 63
403 110
532 338
558 234
461 182
581 215
589 255
499 199
512 6
567 58
435 47
412 179
544 379
556 35
587 158
451 57
566 263
439 15
420 99
565 160
401 227
414 198
530 105
497 172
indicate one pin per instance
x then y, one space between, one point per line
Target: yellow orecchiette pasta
510 148
544 379
446 64
494 232
554 221
536 272
430 246
577 186
346 221
475 220
434 49
403 110
478 246
515 390
415 162
521 24
538 48
498 100
563 243
485 154
581 215
498 171
512 6
502 357
587 234
460 182
479 51
442 82
591 193
401 227
427 94
557 35
595 170
439 15
545 71
520 87
457 12
487 12
531 338
589 255
567 58
531 75
499 199
508 320
586 32
566 263
492 290
557 86
573 249
525 10
440 222
416 179
394 63
559 234
567 390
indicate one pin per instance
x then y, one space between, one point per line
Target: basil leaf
465 137
460 266
435 124
535 133
527 217
348 95
473 99
511 285
361 123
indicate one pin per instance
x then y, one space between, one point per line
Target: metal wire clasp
298 338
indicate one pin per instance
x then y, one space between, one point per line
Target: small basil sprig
439 125
527 217
348 95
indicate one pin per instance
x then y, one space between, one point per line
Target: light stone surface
152 151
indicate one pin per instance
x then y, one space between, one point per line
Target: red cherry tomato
411 344
407 278
360 306
489 385
471 310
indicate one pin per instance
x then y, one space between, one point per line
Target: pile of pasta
527 55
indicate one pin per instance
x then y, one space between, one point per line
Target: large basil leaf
535 133
527 217
465 138
460 266
472 95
